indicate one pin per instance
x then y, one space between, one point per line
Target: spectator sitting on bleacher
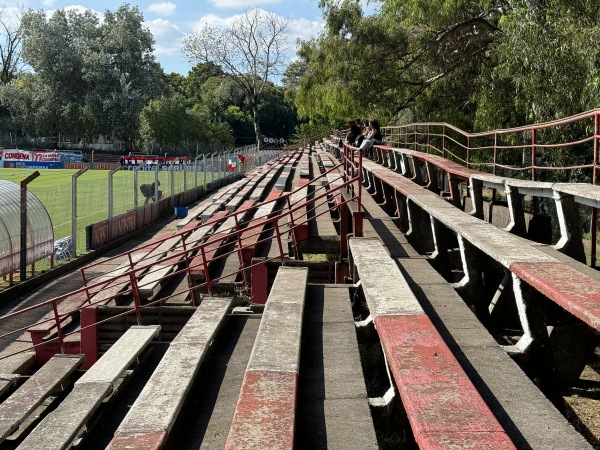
354 136
374 136
150 191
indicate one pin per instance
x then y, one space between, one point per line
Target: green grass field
54 189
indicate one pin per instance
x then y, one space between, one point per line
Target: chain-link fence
76 199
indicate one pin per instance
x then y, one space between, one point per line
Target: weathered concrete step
333 410
46 381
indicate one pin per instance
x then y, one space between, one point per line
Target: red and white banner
16 155
51 156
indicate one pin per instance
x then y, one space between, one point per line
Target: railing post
59 330
187 269
212 167
172 185
205 268
196 176
23 241
594 224
204 165
533 138
359 176
185 171
444 140
415 136
74 209
156 169
293 226
259 279
111 196
280 245
468 158
495 153
85 285
135 292
534 202
238 236
136 183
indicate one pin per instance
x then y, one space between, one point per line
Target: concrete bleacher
565 196
152 416
59 428
423 347
52 378
101 290
528 268
298 199
212 211
503 247
442 405
414 164
221 236
219 200
516 401
265 412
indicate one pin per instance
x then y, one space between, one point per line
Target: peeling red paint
574 291
441 403
265 412
147 440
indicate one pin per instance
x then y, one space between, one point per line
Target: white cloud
80 9
167 35
48 3
242 3
304 29
212 19
296 28
164 9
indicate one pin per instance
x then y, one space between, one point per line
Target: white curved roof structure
40 235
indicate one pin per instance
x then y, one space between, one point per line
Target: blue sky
170 20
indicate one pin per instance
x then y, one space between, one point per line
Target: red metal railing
578 137
491 149
126 280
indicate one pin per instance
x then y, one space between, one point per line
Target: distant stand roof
40 235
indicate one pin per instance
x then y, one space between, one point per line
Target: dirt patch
582 402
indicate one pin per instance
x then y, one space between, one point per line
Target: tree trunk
256 118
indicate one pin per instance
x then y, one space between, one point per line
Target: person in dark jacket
150 191
354 136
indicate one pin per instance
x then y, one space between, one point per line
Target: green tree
164 121
129 76
358 66
197 76
11 37
545 65
53 46
389 63
167 122
249 52
91 78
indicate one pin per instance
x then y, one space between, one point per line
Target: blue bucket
181 211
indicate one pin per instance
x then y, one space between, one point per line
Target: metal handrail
453 140
425 134
131 276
